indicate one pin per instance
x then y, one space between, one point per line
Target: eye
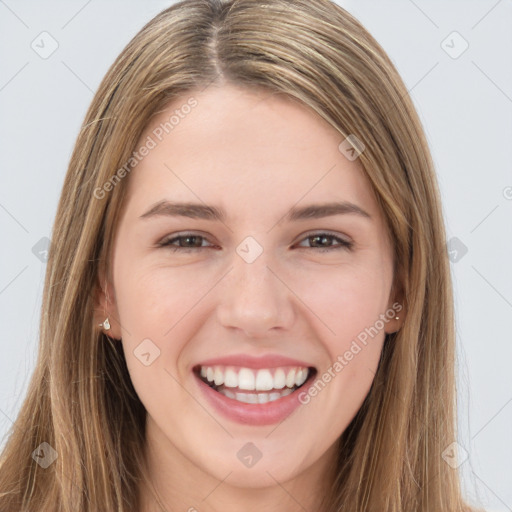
186 242
324 241
189 242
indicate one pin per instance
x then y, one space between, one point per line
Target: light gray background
465 104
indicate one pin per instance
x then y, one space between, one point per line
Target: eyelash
343 244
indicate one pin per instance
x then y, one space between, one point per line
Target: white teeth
245 379
290 378
263 398
255 398
218 376
231 379
279 379
301 377
248 398
265 379
229 394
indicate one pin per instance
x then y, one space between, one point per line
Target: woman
248 302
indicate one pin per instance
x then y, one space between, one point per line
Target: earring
397 318
105 324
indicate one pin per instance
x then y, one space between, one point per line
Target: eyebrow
206 212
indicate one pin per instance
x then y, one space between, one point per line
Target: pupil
318 238
196 238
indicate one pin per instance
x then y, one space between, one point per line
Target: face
243 314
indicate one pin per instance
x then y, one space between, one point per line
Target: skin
255 155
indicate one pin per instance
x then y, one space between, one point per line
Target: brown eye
327 242
185 242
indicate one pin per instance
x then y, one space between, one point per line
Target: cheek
345 299
164 306
153 317
350 304
154 301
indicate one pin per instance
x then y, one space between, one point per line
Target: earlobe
105 310
397 320
397 311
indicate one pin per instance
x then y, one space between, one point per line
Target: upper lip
247 361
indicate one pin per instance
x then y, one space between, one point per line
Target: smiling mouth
254 386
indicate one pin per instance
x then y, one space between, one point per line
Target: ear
105 306
397 305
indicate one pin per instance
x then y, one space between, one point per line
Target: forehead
247 145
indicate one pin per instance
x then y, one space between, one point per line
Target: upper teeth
259 380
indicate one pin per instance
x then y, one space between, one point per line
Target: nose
255 299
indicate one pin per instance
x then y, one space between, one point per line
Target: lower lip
253 414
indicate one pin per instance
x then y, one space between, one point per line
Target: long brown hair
81 401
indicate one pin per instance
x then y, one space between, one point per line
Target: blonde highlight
81 400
